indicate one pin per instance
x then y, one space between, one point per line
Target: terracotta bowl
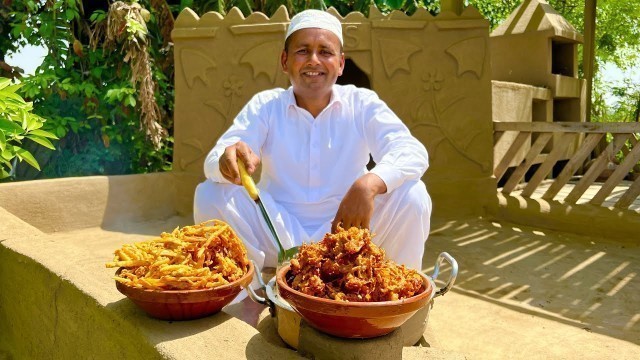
185 304
353 319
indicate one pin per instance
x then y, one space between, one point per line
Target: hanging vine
126 26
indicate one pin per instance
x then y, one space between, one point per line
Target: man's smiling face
313 60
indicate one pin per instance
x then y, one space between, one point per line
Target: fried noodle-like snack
347 266
200 256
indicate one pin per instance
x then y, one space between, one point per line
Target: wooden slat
596 168
560 126
510 154
629 196
573 165
497 135
625 151
618 174
546 167
521 170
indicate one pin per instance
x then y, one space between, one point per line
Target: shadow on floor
582 281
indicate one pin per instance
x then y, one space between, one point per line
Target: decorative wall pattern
432 71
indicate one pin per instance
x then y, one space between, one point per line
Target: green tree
617 41
18 124
90 89
85 88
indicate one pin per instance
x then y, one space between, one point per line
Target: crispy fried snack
201 256
347 266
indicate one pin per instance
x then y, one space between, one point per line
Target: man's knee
211 199
415 196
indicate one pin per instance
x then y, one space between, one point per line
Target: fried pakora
347 266
201 256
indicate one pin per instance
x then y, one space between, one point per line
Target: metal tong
254 194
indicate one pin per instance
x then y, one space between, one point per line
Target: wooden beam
573 165
596 168
589 51
629 197
546 167
521 170
515 147
568 126
618 175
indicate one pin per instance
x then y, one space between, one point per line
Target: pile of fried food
347 266
202 256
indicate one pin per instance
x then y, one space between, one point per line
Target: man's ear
283 60
342 60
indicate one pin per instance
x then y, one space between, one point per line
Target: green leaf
3 141
10 95
33 121
24 119
26 156
13 88
43 133
96 71
6 162
3 173
42 141
131 101
9 126
60 131
69 14
4 82
394 4
7 154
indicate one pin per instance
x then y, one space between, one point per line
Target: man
313 141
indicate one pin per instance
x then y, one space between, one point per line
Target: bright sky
29 58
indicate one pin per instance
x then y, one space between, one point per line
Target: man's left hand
356 208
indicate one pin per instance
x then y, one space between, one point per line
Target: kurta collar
335 98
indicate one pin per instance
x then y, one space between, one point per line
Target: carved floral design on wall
199 64
432 81
469 55
233 86
199 150
395 55
264 59
231 89
438 109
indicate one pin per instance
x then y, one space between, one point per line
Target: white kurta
309 164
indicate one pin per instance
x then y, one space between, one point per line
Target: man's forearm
374 183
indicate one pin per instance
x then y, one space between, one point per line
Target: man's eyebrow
321 46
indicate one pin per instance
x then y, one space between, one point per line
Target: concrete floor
528 293
521 293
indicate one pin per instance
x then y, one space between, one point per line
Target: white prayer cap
315 19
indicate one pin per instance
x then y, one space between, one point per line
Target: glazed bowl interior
185 304
353 319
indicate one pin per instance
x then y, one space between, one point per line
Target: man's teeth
313 73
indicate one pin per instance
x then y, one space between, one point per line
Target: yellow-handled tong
254 194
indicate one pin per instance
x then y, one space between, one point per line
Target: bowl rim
230 285
357 304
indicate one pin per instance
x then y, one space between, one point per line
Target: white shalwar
309 164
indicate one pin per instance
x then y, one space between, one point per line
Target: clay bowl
353 319
185 304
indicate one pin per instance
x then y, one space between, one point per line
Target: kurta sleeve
249 126
398 155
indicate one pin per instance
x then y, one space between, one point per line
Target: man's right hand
229 165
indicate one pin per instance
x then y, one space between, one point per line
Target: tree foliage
84 88
87 88
17 125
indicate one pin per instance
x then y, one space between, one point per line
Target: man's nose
313 58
